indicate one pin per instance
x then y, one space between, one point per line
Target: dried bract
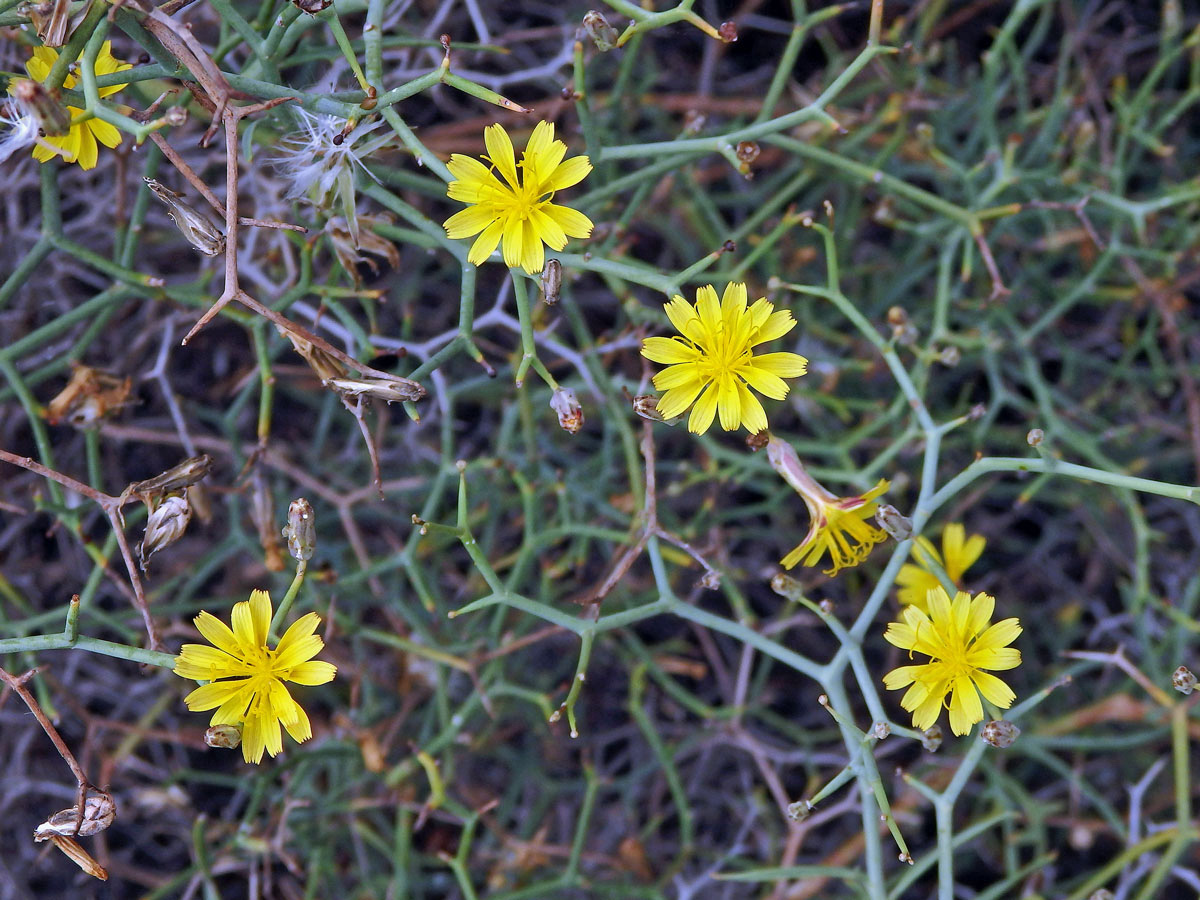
78 855
196 228
189 472
352 253
320 361
301 530
51 19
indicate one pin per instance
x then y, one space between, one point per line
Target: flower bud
551 281
746 153
52 117
950 356
195 227
99 811
224 737
570 413
167 523
931 738
728 32
890 520
1183 680
312 7
880 730
301 530
646 406
799 811
603 35
1000 733
1035 437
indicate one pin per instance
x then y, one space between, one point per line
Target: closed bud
880 730
570 413
175 116
746 152
1000 733
890 520
551 281
223 737
1035 437
646 406
799 811
52 117
728 32
603 35
99 811
1183 680
931 738
301 530
196 228
312 7
950 356
167 523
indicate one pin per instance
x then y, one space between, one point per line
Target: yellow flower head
715 354
517 209
79 144
837 524
961 641
958 554
246 677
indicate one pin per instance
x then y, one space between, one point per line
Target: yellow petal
313 672
681 313
994 690
754 418
676 400
469 221
485 244
704 411
500 152
217 633
88 153
567 174
572 222
201 663
210 696
668 351
965 708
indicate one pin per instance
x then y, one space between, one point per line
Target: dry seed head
1000 733
99 811
1183 680
166 525
603 35
570 413
301 530
890 520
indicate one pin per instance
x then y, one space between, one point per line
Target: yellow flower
78 144
961 642
837 524
517 209
246 677
716 355
958 554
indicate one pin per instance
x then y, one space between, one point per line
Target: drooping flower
79 144
837 525
246 677
715 354
961 642
515 209
958 554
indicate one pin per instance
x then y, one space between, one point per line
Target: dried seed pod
167 523
223 737
1000 733
52 117
99 811
551 281
603 35
70 847
1183 680
301 530
196 228
570 412
891 521
389 389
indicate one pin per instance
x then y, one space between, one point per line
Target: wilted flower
958 554
166 524
196 227
246 677
79 143
714 353
517 209
837 524
961 642
99 811
570 412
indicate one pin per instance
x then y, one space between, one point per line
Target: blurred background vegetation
1012 196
